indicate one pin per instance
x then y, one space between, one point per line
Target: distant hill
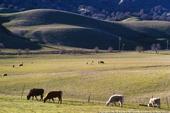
55 27
10 40
58 27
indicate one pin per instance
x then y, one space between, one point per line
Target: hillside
9 40
59 27
52 26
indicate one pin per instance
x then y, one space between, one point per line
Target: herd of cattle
20 65
92 62
153 102
50 96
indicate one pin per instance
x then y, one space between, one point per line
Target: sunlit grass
17 105
134 75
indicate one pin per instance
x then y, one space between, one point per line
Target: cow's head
28 97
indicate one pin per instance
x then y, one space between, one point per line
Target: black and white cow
114 99
154 102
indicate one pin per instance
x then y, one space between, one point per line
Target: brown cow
34 93
54 94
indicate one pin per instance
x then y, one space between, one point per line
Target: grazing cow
34 93
13 66
100 62
20 65
4 75
154 102
115 98
54 94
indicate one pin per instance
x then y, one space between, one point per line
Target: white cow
154 102
115 98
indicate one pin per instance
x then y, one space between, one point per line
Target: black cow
54 94
100 62
4 75
22 64
154 102
34 93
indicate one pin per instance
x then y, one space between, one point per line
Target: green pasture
138 76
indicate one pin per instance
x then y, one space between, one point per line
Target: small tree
27 51
110 49
96 49
139 49
156 48
1 45
123 46
153 46
19 51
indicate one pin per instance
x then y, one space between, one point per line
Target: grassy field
138 76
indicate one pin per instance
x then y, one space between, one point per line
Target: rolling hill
10 40
68 29
55 27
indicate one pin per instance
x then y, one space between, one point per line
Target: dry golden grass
137 76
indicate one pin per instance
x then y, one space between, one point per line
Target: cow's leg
60 100
152 104
121 103
32 97
53 99
36 98
156 105
159 105
114 103
41 97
